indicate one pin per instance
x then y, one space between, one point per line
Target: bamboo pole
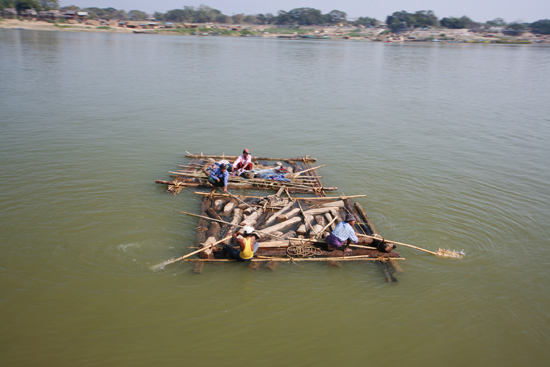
295 198
296 174
306 219
319 259
171 261
440 252
324 229
232 157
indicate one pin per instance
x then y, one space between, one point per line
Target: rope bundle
302 251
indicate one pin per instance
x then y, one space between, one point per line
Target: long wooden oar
171 261
440 251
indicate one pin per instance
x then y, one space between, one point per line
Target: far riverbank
332 32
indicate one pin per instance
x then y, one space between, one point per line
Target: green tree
458 23
515 29
497 22
6 4
366 21
159 16
250 19
69 8
541 26
400 21
336 16
137 15
176 16
205 14
22 5
425 18
222 18
300 16
238 18
49 4
307 16
265 18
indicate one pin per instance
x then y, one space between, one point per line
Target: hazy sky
477 10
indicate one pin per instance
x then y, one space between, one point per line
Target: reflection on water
449 142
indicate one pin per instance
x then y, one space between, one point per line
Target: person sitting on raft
247 243
343 234
217 164
218 177
244 162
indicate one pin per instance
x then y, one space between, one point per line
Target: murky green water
449 142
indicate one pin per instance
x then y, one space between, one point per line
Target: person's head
350 218
248 230
223 167
246 152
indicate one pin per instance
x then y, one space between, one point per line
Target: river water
449 141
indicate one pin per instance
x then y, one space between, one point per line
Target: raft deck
301 174
290 228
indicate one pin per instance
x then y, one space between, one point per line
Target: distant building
9 13
49 14
30 14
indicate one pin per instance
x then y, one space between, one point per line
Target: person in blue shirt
343 234
218 177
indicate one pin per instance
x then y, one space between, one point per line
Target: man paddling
247 243
343 234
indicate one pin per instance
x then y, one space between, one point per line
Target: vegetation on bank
396 22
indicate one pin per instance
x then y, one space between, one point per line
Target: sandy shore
38 25
444 35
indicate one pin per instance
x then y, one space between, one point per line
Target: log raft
291 228
302 176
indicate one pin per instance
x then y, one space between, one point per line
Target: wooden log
302 230
396 266
229 207
316 231
275 236
233 227
212 213
217 204
252 218
366 219
214 230
288 235
387 271
331 220
322 210
208 253
282 226
320 219
287 216
335 204
198 267
203 223
271 265
254 265
274 216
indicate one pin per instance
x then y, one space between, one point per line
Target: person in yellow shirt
247 243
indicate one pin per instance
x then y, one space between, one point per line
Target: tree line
397 22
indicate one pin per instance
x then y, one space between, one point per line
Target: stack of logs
280 222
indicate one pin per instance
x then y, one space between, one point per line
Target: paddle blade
161 265
450 253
